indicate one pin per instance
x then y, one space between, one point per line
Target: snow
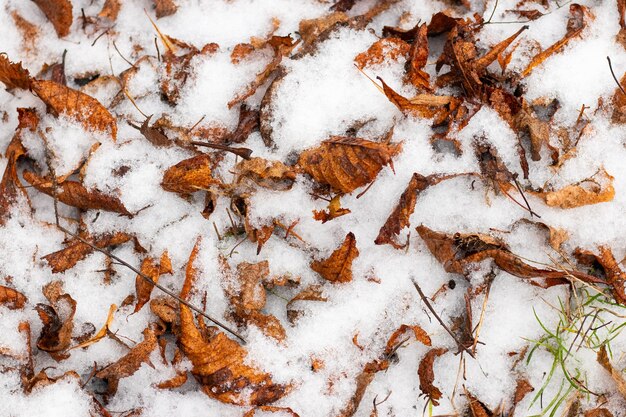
320 95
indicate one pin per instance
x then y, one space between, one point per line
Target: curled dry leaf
618 378
609 267
575 25
422 105
418 58
128 364
418 332
334 210
75 250
102 332
456 252
189 175
11 298
174 382
248 121
41 379
363 380
347 163
598 189
219 364
427 375
312 293
338 267
383 50
13 75
271 409
74 194
88 111
154 270
477 408
58 323
59 13
269 174
164 8
10 186
154 135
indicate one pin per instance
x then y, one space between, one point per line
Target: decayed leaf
334 210
189 175
312 293
522 389
154 135
219 363
271 409
149 267
598 189
618 378
62 100
575 25
363 380
73 193
28 30
41 379
13 75
11 298
269 174
618 103
338 267
418 58
268 324
456 252
10 186
311 29
427 375
399 217
76 250
477 408
174 382
610 268
110 10
132 361
422 105
58 323
164 8
598 412
382 50
347 163
59 13
102 332
538 130
418 332
251 294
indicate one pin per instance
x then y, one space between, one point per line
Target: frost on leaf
338 267
59 13
347 163
219 363
189 175
74 194
427 375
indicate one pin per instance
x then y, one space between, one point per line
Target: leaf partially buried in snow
618 378
13 75
269 174
88 111
154 270
427 375
594 190
338 267
189 175
477 408
73 193
219 364
128 364
59 13
347 163
58 323
334 210
607 265
11 298
386 49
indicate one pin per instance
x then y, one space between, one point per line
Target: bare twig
614 77
243 152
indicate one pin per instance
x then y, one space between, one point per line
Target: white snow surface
322 94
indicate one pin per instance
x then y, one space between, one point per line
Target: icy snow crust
321 95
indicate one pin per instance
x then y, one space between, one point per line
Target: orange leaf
347 163
164 8
11 298
381 50
59 13
189 175
334 210
427 375
58 324
110 10
269 174
338 267
143 289
13 75
418 332
62 100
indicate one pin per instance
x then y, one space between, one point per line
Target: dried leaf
248 122
618 378
154 135
10 186
251 293
219 363
268 324
311 293
347 163
62 100
14 75
128 364
11 298
423 105
477 408
74 194
164 8
189 175
58 324
311 29
76 250
271 409
110 10
598 412
577 195
538 130
338 267
334 210
427 375
419 333
176 381
269 174
381 51
29 32
101 333
59 13
522 389
618 103
575 25
608 266
418 58
150 268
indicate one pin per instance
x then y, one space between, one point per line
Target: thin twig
432 310
614 77
519 189
122 56
243 152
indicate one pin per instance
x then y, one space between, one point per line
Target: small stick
614 77
101 35
243 152
122 56
156 44
196 124
432 310
519 189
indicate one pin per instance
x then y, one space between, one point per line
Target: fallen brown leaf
164 8
268 174
608 266
11 298
312 293
58 323
598 412
150 268
477 408
347 163
101 333
189 175
418 58
418 332
427 375
334 210
382 50
74 194
271 409
363 380
110 10
618 378
338 267
59 13
13 75
597 190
